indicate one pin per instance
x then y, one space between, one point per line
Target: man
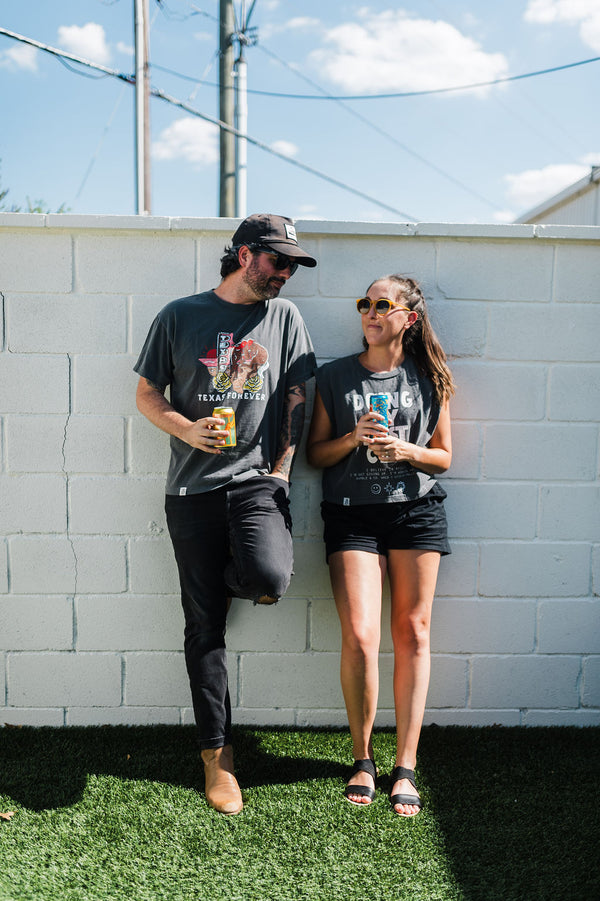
227 507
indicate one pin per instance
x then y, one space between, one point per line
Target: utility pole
142 108
245 37
226 109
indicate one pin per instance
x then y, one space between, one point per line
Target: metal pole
142 108
226 109
241 124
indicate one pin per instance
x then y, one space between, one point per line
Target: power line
400 94
161 95
386 134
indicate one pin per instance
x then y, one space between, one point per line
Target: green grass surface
118 813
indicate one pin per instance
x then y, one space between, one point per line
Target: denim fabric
232 542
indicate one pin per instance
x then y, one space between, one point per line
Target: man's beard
264 286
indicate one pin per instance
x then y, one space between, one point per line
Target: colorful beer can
379 404
228 414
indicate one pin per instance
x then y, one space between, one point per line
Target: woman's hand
370 428
392 450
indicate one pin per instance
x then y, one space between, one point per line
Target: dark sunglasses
280 260
382 306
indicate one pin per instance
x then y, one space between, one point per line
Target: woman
384 512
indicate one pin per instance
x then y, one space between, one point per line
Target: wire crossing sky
386 125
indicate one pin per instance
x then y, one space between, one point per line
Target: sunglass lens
363 305
383 306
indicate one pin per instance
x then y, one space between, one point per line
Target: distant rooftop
579 204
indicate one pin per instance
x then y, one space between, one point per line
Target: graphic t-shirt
212 353
346 387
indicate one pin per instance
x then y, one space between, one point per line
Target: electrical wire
431 91
154 92
402 94
386 134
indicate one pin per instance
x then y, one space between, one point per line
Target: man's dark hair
230 262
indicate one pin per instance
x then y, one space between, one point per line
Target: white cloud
21 56
533 186
88 41
391 51
188 139
504 216
298 23
127 49
285 147
586 13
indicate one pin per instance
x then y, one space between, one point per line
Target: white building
579 204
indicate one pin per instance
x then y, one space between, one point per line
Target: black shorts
379 528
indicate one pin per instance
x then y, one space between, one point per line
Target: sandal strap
364 766
406 799
402 772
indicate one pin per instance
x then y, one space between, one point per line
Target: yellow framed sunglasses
382 306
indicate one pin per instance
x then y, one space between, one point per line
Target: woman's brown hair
420 340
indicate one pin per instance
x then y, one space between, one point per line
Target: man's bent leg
260 534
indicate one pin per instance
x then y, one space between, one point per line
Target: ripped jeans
234 541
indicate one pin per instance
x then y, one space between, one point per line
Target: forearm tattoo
292 425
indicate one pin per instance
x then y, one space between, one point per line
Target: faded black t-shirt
212 353
346 386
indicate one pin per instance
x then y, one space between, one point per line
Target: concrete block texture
71 443
557 332
159 679
525 569
499 391
110 263
495 270
91 627
56 680
590 692
128 623
569 626
574 392
36 623
34 383
36 261
525 681
58 564
33 503
540 451
69 323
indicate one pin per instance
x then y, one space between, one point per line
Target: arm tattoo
291 429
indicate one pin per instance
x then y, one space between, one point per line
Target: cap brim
292 250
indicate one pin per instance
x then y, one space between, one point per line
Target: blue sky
483 155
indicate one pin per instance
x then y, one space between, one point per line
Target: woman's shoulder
335 367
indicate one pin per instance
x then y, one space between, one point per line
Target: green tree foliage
30 206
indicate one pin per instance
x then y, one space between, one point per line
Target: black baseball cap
276 232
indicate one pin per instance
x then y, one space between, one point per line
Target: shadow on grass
518 809
46 768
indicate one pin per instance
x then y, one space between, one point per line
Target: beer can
228 414
379 403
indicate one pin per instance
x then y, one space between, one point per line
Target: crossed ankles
221 787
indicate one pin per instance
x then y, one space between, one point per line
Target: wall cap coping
308 228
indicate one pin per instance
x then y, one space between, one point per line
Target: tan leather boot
221 787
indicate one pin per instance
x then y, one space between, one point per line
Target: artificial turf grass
117 812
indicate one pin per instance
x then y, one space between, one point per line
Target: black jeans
232 542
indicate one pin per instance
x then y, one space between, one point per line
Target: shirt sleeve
301 357
155 361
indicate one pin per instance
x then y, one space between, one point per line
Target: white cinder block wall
90 625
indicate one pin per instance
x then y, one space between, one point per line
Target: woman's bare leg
413 577
357 579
